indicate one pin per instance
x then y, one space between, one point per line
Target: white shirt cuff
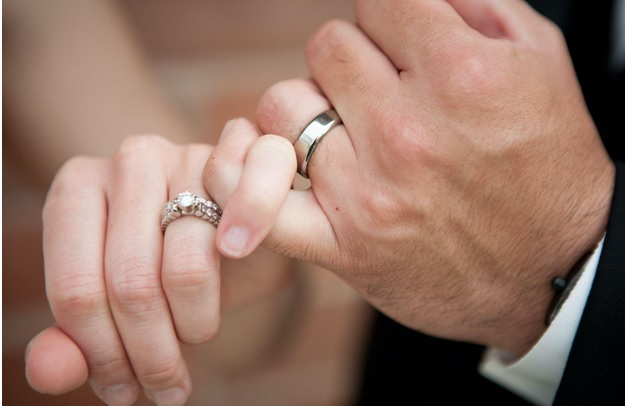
536 376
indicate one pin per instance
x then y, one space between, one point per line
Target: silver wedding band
189 204
311 137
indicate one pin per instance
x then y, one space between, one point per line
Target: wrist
563 286
524 312
534 301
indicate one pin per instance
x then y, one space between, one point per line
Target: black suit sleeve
595 370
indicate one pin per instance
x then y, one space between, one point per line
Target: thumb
54 363
303 231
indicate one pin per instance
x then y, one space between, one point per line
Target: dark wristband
563 287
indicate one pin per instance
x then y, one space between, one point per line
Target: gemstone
186 201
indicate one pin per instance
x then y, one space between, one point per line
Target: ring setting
189 204
312 136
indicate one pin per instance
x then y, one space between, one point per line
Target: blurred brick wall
214 58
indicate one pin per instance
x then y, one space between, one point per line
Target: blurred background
78 77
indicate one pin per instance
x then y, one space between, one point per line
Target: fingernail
122 394
226 129
170 397
235 241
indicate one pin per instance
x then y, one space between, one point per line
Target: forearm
79 83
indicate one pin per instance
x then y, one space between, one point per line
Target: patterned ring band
188 204
311 137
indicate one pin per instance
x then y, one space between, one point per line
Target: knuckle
553 35
76 297
136 148
327 42
136 142
545 30
193 276
273 102
135 287
382 207
107 366
160 373
406 139
73 175
145 157
469 72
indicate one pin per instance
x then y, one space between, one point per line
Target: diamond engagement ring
311 137
189 204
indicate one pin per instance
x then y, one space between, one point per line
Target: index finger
73 239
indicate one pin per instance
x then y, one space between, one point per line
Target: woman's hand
124 293
120 290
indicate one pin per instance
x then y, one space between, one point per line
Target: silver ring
189 204
311 137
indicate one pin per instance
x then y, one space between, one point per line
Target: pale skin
79 84
467 174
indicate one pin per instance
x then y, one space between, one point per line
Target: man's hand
467 174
